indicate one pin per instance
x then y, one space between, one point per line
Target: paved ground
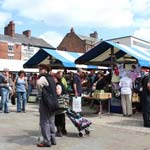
20 131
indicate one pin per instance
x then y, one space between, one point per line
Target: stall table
101 97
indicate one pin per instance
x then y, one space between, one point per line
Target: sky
53 19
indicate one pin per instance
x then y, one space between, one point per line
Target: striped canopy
107 52
57 59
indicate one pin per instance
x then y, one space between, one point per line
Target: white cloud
95 13
143 33
52 38
140 6
18 23
141 22
4 17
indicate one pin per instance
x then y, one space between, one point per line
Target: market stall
108 53
120 58
57 59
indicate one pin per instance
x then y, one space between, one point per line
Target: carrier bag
76 104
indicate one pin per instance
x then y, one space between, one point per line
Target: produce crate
135 98
102 96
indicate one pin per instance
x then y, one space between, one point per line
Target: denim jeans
21 101
4 100
29 90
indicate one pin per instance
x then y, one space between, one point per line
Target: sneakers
64 132
43 145
59 134
126 115
6 112
53 142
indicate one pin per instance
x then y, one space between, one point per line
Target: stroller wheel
80 134
87 131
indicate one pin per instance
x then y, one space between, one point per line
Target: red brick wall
4 51
17 51
72 43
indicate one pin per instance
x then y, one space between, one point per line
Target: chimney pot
94 35
72 30
6 30
27 33
11 29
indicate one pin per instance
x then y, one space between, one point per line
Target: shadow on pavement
22 140
134 123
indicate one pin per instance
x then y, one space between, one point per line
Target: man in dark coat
47 118
146 100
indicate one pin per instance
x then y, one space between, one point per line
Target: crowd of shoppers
22 85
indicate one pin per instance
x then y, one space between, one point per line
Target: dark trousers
60 122
146 109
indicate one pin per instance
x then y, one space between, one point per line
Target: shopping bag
76 104
13 99
135 97
63 101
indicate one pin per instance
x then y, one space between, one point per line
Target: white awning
14 65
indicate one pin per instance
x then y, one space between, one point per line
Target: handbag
135 97
49 96
49 100
63 102
13 99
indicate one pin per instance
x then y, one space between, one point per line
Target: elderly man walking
47 116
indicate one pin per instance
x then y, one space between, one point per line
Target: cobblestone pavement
20 131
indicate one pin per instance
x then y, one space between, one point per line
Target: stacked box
102 96
135 97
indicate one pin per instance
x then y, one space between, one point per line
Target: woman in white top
126 93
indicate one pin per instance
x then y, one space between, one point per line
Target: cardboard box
135 97
102 96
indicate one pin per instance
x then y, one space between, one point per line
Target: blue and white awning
102 54
57 59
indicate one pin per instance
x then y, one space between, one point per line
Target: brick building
19 46
77 43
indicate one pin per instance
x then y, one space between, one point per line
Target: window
10 57
10 47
